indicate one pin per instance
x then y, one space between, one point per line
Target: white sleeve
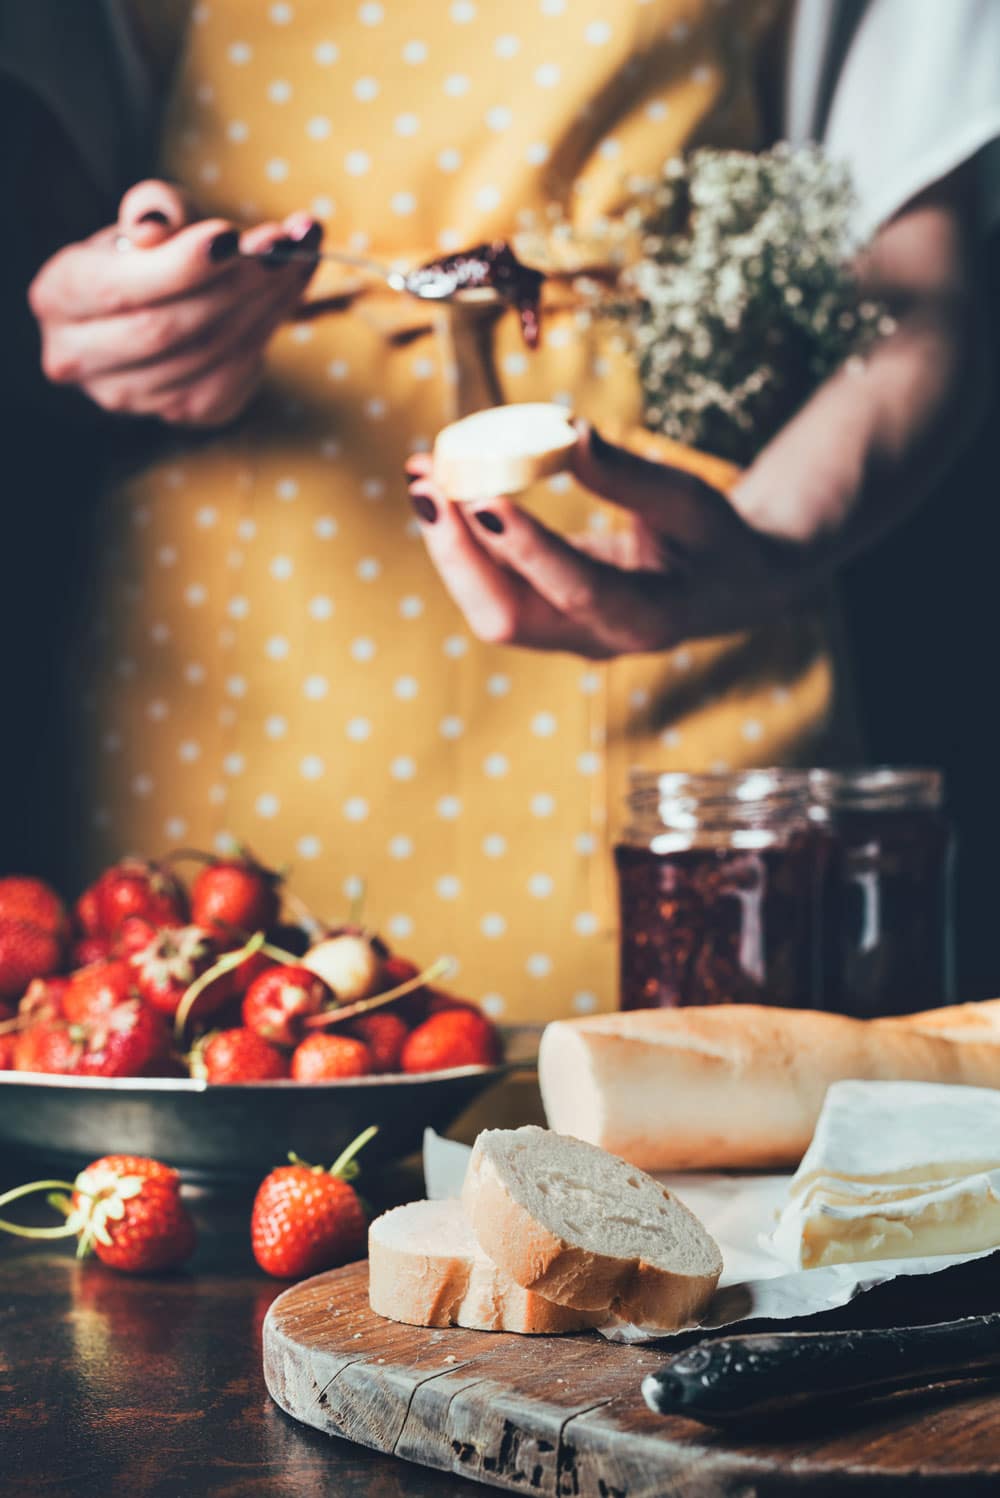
904 91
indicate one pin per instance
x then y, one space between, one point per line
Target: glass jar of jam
888 931
719 880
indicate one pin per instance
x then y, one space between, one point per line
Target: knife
742 1378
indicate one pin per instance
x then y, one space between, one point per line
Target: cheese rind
895 1170
885 1132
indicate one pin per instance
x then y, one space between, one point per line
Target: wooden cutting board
564 1416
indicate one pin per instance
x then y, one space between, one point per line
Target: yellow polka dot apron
274 657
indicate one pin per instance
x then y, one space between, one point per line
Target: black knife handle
741 1378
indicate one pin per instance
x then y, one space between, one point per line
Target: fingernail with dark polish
224 246
154 216
489 522
425 508
276 254
308 239
603 450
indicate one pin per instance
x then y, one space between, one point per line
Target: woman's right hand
157 315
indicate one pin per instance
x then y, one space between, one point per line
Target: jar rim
706 786
878 786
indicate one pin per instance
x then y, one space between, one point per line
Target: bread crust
736 1085
442 1288
603 1284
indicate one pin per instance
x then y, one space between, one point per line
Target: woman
273 657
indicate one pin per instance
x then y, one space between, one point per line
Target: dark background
922 607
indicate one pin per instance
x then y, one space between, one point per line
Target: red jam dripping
492 267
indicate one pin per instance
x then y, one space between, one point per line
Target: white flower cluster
741 297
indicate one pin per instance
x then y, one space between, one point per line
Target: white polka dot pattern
279 661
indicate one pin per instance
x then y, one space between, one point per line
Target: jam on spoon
493 268
482 273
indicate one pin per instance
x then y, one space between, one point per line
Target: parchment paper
740 1212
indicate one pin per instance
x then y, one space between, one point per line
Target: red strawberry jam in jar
720 883
888 929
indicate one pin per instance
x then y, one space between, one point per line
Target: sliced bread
581 1227
426 1268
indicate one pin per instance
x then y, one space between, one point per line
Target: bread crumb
451 1358
356 1337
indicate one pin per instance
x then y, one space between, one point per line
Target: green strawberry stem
63 1231
226 963
279 954
346 1157
437 969
345 1166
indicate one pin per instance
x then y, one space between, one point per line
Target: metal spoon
437 286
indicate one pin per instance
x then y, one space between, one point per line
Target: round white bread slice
426 1268
502 450
584 1229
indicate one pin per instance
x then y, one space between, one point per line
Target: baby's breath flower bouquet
741 298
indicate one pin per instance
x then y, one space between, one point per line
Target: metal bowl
214 1133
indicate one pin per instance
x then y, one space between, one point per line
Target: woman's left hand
687 566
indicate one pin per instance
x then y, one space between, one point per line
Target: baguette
502 450
584 1229
735 1085
426 1268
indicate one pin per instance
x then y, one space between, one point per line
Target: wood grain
563 1417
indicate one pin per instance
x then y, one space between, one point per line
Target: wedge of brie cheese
895 1170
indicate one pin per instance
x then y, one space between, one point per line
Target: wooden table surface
153 1387
114 1385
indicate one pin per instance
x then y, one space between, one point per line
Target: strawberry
93 991
134 933
124 1042
328 1058
384 1034
23 898
235 894
26 952
128 1210
395 972
87 912
349 963
43 999
125 1208
163 970
457 1037
240 1055
7 1044
131 887
439 1002
235 983
89 949
306 1218
48 1045
278 1000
